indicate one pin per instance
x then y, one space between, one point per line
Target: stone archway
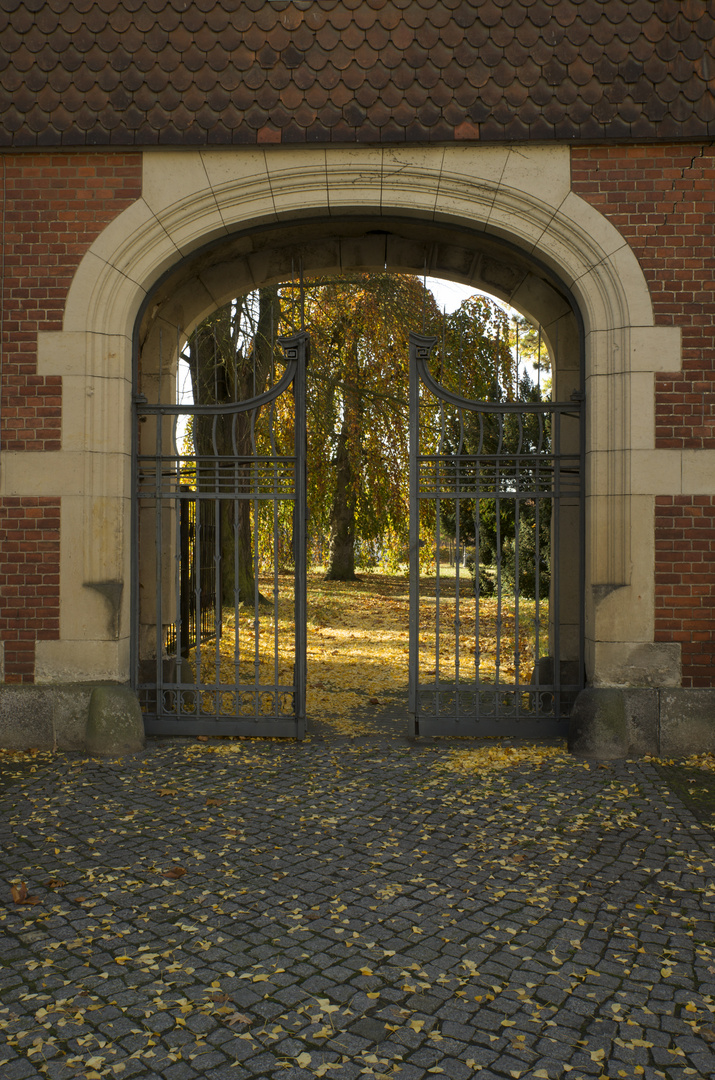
254 203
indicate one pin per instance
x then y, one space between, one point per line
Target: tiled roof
167 72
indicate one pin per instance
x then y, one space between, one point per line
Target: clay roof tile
617 51
340 16
402 36
366 95
217 18
327 37
705 108
22 19
111 59
563 12
46 20
567 92
477 35
416 95
502 35
377 36
578 32
318 96
518 55
516 94
378 76
414 16
566 51
303 38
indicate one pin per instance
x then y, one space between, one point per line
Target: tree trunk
342 516
222 374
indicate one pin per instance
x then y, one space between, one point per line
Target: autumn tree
488 357
357 408
230 357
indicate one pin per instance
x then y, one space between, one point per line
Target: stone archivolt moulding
516 193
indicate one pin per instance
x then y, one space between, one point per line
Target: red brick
29 572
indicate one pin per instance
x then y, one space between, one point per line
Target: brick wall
29 580
53 205
662 200
685 581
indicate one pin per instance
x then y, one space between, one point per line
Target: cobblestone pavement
347 908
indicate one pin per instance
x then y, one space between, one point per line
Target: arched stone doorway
324 247
365 208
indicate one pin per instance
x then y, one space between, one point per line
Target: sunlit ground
358 644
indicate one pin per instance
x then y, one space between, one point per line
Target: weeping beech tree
359 327
357 379
230 356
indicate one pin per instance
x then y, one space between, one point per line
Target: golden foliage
358 646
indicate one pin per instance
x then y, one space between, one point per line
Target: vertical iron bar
477 590
516 589
415 342
256 590
538 365
541 441
177 584
198 565
158 542
458 530
497 507
276 556
555 558
300 536
216 591
236 590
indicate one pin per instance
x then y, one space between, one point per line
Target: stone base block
598 727
114 723
641 720
687 722
49 717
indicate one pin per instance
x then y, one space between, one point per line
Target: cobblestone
354 904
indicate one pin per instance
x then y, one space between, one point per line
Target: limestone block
114 722
415 169
51 473
655 348
353 179
698 472
83 659
26 717
687 721
626 663
544 172
598 726
297 181
232 169
642 715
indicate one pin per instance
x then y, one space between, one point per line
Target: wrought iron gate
486 659
217 485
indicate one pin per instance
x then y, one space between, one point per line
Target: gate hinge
140 399
578 395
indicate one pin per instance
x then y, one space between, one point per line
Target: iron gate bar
231 479
524 475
